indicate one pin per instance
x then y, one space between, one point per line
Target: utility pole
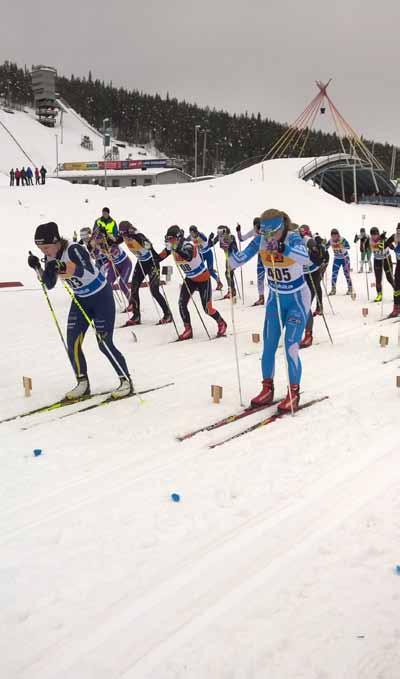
204 150
62 126
196 130
106 142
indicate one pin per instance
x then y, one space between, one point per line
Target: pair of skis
229 419
63 403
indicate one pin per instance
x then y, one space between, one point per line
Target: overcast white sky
263 55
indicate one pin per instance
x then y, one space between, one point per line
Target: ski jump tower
44 91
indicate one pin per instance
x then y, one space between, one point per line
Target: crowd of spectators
381 198
24 176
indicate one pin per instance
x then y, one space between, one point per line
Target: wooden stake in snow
27 382
365 312
398 381
383 341
353 296
216 393
255 337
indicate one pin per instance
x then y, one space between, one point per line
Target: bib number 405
279 274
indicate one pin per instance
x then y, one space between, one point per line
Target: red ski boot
317 312
187 333
266 395
260 301
164 320
222 326
307 340
132 321
294 396
395 312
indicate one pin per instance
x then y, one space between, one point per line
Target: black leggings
396 291
100 307
150 269
380 266
204 289
314 283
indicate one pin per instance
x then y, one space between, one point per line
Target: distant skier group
289 256
24 176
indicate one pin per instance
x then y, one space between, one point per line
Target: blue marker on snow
37 452
397 569
175 497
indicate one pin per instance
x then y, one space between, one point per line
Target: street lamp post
105 121
196 130
56 154
204 150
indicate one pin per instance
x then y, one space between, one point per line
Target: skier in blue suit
284 255
341 258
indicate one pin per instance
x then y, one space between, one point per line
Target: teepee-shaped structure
294 140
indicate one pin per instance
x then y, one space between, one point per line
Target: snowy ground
279 559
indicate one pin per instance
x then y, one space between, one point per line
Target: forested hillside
139 118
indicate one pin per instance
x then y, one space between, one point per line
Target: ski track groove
329 504
178 458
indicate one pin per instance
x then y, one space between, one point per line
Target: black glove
55 266
281 246
33 261
211 236
238 228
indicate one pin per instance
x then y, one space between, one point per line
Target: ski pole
235 335
154 301
367 283
164 294
191 297
118 292
216 261
92 324
278 306
326 294
53 315
241 273
320 305
383 272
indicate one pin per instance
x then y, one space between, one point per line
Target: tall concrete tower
44 90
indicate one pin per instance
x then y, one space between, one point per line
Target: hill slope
278 560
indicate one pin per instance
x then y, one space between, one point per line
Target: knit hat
47 234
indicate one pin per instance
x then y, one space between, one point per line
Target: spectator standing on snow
23 177
29 176
17 176
37 175
12 176
43 173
